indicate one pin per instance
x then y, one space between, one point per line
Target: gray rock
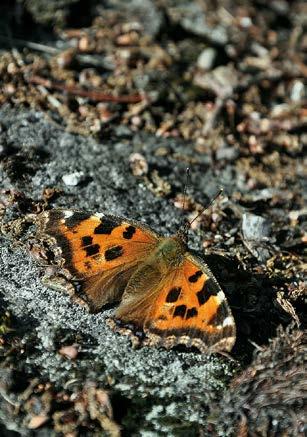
194 19
256 231
144 12
164 388
255 227
227 153
221 81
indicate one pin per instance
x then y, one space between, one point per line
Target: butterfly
166 295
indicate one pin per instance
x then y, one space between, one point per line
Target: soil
103 107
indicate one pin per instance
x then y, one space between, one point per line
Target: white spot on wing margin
228 321
221 296
68 214
99 214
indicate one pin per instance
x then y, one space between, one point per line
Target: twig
29 44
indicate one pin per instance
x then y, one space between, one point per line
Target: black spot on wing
129 232
76 218
180 311
210 288
202 296
195 276
106 226
90 249
113 253
192 312
173 294
87 240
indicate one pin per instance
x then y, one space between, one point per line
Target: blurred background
186 68
103 106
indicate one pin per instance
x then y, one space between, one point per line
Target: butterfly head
171 250
182 234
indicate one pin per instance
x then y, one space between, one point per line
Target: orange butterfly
165 294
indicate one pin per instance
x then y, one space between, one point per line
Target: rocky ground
102 108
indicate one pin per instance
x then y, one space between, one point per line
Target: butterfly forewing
102 251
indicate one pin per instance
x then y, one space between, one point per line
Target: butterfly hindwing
191 309
101 251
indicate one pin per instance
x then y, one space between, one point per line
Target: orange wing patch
96 243
191 309
100 251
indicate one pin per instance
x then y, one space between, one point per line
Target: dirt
104 111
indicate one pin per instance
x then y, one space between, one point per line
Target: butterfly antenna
187 180
182 230
188 224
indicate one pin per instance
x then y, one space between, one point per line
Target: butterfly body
165 258
168 254
162 289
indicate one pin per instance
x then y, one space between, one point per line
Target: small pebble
138 164
206 59
245 22
297 91
37 421
73 179
70 352
255 227
227 153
